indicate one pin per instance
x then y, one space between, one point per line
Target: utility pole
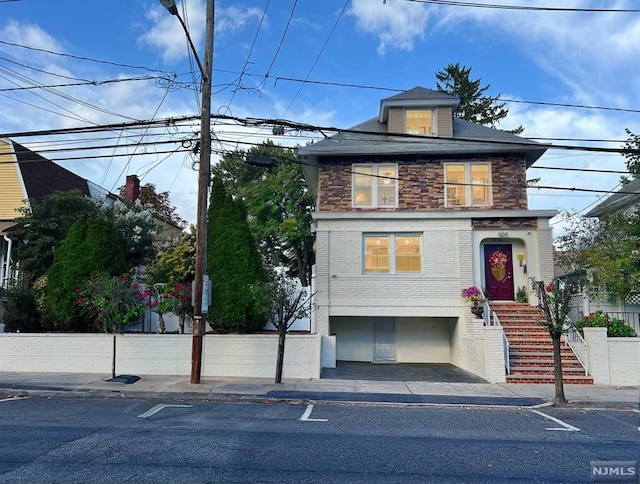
204 179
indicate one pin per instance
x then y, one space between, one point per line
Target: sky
110 62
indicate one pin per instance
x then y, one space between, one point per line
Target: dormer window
419 121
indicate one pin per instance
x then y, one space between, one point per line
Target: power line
88 59
455 3
62 95
393 89
284 34
374 135
317 57
98 83
246 62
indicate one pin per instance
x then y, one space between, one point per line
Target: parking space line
566 426
307 414
13 398
159 407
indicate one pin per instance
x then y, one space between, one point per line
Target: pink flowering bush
113 301
175 298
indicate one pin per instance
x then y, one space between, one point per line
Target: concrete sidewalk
399 392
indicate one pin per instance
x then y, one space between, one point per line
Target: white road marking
13 398
566 426
307 413
159 407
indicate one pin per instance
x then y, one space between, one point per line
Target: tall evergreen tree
633 159
234 266
90 246
475 105
279 203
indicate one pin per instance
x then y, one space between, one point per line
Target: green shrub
90 246
20 313
616 328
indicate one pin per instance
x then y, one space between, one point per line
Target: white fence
251 356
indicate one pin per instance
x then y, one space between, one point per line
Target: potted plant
475 297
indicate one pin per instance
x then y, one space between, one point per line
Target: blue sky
583 58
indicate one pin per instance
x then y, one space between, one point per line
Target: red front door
498 272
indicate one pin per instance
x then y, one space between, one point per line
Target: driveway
433 372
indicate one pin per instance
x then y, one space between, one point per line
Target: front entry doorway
384 333
498 271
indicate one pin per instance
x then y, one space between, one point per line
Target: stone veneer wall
505 223
421 183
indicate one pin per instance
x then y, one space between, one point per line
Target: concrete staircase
531 348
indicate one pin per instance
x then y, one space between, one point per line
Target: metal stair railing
578 345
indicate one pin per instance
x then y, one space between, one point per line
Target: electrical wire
335 24
88 59
455 3
246 62
284 34
393 89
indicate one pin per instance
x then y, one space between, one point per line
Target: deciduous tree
553 299
606 252
278 202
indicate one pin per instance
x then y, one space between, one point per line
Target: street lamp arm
170 5
193 49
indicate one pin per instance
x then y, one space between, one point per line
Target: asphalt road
66 440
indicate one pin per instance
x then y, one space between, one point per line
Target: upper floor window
419 121
392 253
375 185
467 184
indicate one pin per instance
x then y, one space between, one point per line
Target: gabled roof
42 177
418 97
371 138
629 197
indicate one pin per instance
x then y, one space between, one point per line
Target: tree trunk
282 333
557 371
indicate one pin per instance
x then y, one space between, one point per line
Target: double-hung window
419 121
467 184
375 185
392 254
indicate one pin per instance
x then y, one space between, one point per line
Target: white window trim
467 184
375 169
434 120
392 253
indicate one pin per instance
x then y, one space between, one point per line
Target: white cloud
25 33
233 19
592 53
167 35
397 24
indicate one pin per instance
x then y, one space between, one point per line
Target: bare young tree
553 300
288 303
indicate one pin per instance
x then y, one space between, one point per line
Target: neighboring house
25 175
413 206
626 198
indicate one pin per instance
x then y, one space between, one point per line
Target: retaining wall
251 356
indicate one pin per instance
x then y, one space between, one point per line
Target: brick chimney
132 188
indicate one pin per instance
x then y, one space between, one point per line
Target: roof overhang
5 226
